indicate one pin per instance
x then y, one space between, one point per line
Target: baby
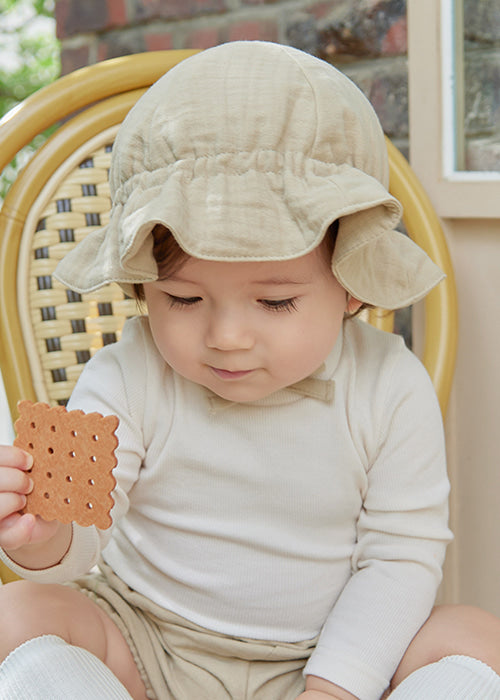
280 517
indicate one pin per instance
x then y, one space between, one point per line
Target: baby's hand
320 689
18 529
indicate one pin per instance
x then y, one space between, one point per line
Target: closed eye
179 302
280 304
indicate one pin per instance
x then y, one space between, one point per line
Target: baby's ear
353 304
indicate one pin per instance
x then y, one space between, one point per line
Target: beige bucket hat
249 151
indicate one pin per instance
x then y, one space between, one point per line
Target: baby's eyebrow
268 281
281 281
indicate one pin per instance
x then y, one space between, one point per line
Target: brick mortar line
279 10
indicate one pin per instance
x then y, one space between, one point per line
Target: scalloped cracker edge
73 457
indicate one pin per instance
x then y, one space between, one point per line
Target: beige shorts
179 660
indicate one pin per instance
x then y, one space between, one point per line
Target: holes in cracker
86 442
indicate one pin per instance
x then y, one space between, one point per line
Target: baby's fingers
15 457
14 486
16 531
15 481
10 503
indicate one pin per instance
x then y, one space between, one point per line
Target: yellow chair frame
92 102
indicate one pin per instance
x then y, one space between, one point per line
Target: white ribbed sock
452 678
47 668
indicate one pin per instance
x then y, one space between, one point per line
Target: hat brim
254 207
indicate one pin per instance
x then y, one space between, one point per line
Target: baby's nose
229 330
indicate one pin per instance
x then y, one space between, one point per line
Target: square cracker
73 457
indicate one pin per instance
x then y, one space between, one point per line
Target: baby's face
246 329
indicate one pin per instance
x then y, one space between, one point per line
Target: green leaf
30 60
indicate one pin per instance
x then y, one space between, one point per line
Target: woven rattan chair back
64 329
48 331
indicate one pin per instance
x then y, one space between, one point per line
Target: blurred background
431 69
367 39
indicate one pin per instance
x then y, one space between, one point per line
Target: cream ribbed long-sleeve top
320 509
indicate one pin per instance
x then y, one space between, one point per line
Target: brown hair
170 257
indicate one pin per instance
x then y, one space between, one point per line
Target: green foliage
30 46
39 66
29 59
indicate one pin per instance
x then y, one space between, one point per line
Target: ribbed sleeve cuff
346 672
81 556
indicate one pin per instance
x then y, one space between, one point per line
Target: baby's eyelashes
280 304
182 301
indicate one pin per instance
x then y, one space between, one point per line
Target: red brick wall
364 38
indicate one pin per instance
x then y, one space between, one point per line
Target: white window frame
432 43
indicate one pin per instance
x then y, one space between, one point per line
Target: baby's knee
27 610
453 630
20 597
14 598
463 629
